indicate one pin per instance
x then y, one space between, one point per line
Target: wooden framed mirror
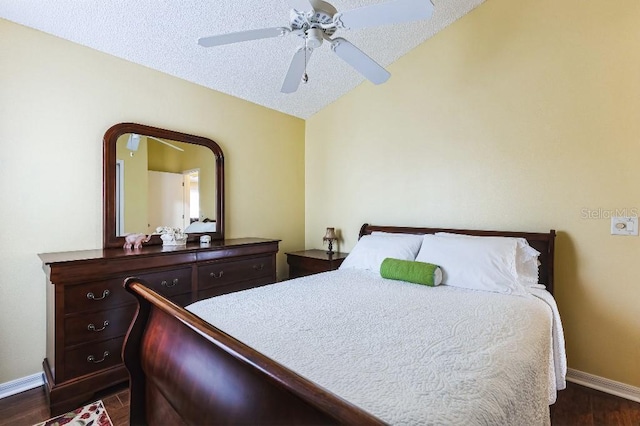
155 177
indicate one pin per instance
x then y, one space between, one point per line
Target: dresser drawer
101 325
97 295
225 273
169 283
93 357
232 287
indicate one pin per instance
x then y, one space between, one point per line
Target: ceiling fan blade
221 39
296 70
392 12
360 61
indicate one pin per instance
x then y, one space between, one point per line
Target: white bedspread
406 353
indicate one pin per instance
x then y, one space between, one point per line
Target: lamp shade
330 235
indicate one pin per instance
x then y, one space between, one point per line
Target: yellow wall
520 116
56 101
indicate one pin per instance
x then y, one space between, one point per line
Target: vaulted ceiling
163 34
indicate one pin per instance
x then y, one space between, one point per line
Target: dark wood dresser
307 262
89 312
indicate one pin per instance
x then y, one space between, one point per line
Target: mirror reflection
163 182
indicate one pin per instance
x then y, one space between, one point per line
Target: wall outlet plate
624 225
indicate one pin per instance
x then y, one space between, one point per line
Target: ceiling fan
316 21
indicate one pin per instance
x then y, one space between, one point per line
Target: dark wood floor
577 405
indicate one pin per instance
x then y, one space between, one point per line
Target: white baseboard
605 385
575 376
20 385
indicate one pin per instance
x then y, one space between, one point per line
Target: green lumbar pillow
411 271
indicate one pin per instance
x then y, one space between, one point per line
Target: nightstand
309 262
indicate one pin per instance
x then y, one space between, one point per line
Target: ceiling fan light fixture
314 37
133 142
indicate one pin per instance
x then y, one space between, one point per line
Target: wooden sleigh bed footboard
185 371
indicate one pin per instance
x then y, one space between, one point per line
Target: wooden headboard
541 241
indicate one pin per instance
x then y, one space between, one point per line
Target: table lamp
330 236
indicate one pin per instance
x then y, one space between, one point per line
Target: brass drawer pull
213 274
259 267
92 296
165 283
93 359
92 327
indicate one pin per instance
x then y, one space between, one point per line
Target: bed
237 368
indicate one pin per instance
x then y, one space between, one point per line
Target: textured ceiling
163 34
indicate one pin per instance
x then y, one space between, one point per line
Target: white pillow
371 250
487 264
526 256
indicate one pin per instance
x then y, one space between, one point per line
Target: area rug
93 414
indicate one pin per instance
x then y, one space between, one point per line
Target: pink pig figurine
135 240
